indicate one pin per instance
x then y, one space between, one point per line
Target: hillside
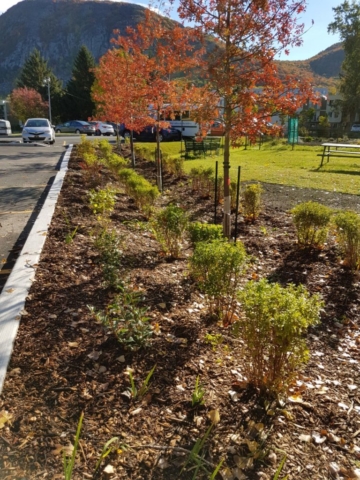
325 66
58 28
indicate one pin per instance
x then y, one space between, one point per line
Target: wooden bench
192 146
331 150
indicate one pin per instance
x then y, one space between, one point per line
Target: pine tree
35 70
79 104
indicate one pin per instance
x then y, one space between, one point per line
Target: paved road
26 173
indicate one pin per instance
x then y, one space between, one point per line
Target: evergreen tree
35 70
79 104
347 24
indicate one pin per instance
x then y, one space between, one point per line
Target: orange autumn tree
241 67
136 81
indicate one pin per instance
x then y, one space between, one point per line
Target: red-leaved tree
241 67
136 81
27 102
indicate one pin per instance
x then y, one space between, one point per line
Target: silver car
38 130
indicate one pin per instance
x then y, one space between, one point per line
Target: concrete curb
16 289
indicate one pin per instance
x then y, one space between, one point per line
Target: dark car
76 126
165 135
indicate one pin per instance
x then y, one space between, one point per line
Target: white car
38 130
102 128
355 127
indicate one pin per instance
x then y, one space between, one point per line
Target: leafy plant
251 201
69 237
215 339
204 232
202 180
174 165
217 267
274 323
127 320
279 469
197 397
102 201
143 192
108 243
139 394
69 461
311 220
348 233
169 226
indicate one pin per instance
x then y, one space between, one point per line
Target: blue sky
315 40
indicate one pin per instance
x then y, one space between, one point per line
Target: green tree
33 74
78 101
347 24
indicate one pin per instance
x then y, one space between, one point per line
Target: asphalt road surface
26 174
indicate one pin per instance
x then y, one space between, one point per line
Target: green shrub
115 163
275 320
252 201
85 146
233 191
102 201
108 243
174 165
348 232
204 232
104 149
136 186
217 267
312 221
169 226
127 319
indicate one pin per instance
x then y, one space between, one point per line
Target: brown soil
65 363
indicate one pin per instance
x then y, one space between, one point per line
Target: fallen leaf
214 416
5 417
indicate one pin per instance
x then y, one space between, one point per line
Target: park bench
203 146
332 150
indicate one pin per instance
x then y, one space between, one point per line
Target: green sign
293 124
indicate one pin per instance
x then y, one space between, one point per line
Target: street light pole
47 82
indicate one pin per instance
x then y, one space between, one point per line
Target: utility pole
47 82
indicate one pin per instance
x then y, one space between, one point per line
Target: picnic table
332 150
208 144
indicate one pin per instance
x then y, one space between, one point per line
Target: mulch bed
65 363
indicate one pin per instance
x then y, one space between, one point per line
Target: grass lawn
282 165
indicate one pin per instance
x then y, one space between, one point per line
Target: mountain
325 66
58 28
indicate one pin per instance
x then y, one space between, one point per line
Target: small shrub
85 147
92 167
109 243
233 192
174 165
202 180
102 201
275 320
311 220
104 149
136 186
252 201
204 232
217 267
169 227
115 163
348 232
127 319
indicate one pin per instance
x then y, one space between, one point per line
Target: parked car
217 129
75 126
165 135
355 127
5 127
103 128
38 130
